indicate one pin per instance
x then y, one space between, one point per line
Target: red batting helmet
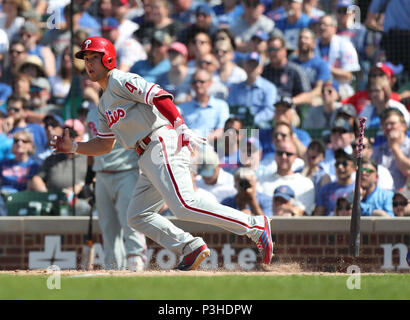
99 44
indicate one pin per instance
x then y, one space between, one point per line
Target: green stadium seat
31 203
371 132
315 133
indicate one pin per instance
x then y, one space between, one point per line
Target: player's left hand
62 144
186 137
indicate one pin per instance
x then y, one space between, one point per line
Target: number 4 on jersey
131 88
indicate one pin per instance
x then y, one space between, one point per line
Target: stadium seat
30 203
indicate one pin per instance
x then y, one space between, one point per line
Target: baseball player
142 117
116 173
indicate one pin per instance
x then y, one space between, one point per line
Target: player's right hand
187 137
62 144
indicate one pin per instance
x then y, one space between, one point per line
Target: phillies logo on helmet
87 43
114 116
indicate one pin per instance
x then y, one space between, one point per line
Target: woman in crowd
16 173
380 100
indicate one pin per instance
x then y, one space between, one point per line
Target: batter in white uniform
142 116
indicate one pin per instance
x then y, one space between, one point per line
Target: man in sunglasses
285 156
16 55
285 111
385 179
205 114
342 187
375 201
341 137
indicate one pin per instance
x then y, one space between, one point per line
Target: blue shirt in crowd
16 174
291 31
227 18
378 199
149 72
329 193
316 69
396 13
203 120
5 147
259 97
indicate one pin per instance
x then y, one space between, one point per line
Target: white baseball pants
166 177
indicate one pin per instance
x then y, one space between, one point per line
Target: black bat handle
354 245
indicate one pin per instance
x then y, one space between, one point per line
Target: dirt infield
277 269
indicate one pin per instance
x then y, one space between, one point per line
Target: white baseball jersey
119 159
126 109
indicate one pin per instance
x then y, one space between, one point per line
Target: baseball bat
354 246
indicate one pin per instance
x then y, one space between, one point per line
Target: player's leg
169 173
134 241
143 216
109 223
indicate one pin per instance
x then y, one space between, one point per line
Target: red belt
143 144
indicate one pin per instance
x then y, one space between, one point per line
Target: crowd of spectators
276 86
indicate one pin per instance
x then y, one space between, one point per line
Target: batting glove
186 137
